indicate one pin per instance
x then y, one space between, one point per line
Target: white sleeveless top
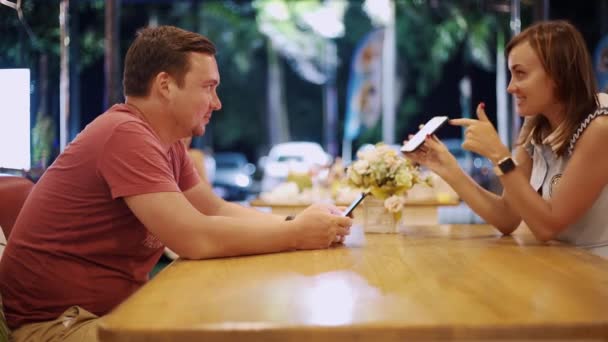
591 230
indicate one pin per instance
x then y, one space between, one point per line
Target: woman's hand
480 136
434 155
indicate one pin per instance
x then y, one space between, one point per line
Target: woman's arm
583 180
494 209
584 177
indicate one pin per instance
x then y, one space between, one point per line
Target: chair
13 192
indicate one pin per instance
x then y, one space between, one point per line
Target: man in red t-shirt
98 219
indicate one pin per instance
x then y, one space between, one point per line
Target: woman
556 179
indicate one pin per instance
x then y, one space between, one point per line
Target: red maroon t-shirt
75 241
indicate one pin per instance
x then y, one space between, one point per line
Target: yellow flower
394 204
386 174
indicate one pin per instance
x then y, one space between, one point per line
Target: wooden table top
258 202
437 282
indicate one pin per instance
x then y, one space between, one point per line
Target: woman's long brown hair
563 54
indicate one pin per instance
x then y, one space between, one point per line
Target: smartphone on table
429 128
354 204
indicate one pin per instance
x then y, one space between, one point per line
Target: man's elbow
198 251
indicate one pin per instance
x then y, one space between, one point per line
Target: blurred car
369 147
209 162
296 157
233 176
478 167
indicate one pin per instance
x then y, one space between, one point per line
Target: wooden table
415 213
436 282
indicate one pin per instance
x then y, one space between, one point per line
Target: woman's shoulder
595 123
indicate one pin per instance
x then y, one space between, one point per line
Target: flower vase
376 219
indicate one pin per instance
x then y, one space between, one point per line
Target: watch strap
504 166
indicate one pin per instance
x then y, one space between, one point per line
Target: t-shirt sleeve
133 162
189 176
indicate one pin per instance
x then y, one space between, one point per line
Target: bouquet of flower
386 174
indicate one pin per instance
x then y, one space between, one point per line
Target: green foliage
21 50
23 42
428 35
427 38
295 33
241 50
18 48
43 135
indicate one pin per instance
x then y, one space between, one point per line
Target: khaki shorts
75 324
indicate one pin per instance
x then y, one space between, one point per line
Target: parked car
478 167
368 147
298 157
233 175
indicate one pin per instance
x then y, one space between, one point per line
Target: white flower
361 166
385 173
394 204
354 177
404 178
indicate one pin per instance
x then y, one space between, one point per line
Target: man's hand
481 137
319 225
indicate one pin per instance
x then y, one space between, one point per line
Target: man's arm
207 202
194 235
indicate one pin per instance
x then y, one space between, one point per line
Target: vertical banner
363 94
600 62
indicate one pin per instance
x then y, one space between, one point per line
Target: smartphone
429 128
354 204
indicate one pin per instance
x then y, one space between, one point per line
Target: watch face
507 165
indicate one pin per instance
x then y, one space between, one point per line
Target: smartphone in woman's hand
429 128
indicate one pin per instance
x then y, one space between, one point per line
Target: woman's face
532 87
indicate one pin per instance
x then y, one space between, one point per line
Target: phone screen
429 128
354 204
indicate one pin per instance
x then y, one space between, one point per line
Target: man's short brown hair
158 49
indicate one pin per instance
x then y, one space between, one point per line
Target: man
97 221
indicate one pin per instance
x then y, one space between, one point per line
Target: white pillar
388 78
64 73
502 106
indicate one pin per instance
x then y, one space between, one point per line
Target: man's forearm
222 236
235 210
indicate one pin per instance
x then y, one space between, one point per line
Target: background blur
291 71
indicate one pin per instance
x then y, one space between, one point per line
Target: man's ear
162 84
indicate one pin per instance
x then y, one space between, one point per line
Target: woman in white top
556 178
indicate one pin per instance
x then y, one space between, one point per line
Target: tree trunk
43 81
113 88
278 127
330 105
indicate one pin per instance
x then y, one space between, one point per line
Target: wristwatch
504 166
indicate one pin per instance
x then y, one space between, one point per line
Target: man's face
193 103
